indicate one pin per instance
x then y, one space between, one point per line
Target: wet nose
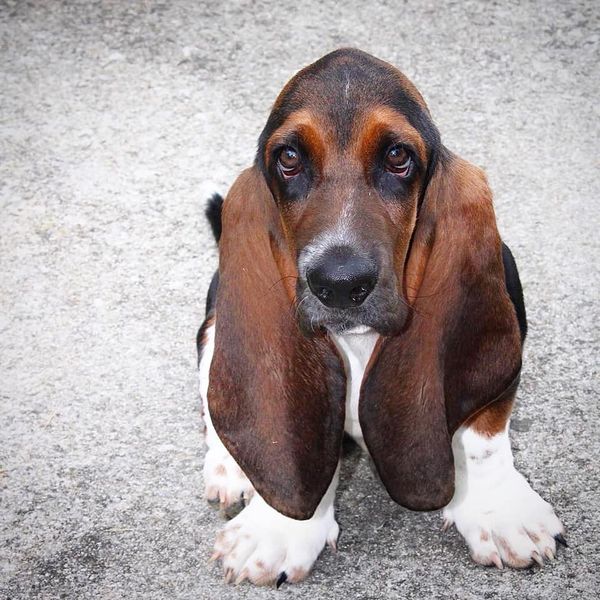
341 278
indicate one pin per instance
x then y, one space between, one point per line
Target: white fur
342 234
347 88
502 519
261 543
356 347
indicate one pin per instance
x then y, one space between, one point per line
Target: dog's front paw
266 547
224 481
509 525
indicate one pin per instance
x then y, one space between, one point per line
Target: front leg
259 544
266 547
494 508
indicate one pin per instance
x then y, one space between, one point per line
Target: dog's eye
289 162
398 161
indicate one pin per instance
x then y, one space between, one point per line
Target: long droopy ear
460 351
276 398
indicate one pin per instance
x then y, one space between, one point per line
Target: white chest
356 349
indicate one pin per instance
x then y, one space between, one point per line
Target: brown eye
289 162
398 161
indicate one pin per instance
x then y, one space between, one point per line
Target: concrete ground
117 119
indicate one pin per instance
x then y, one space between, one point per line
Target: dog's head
347 154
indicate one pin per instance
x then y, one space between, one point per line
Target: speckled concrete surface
117 119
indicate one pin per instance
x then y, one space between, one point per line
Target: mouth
384 311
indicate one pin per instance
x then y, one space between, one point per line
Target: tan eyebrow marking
307 127
379 121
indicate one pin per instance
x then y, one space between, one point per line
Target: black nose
341 278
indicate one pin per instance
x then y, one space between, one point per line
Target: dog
362 287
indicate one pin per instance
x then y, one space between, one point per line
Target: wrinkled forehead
341 89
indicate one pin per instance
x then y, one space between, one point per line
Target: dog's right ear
276 398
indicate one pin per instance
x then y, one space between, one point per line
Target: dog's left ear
461 349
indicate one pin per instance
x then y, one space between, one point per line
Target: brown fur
492 420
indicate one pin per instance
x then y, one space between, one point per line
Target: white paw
266 547
224 481
509 525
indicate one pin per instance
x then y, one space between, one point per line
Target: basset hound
362 288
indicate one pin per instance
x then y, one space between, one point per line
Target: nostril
324 293
359 293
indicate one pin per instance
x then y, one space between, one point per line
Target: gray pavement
117 119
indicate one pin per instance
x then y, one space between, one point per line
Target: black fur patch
211 296
513 286
213 210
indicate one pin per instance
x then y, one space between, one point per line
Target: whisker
299 305
281 279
